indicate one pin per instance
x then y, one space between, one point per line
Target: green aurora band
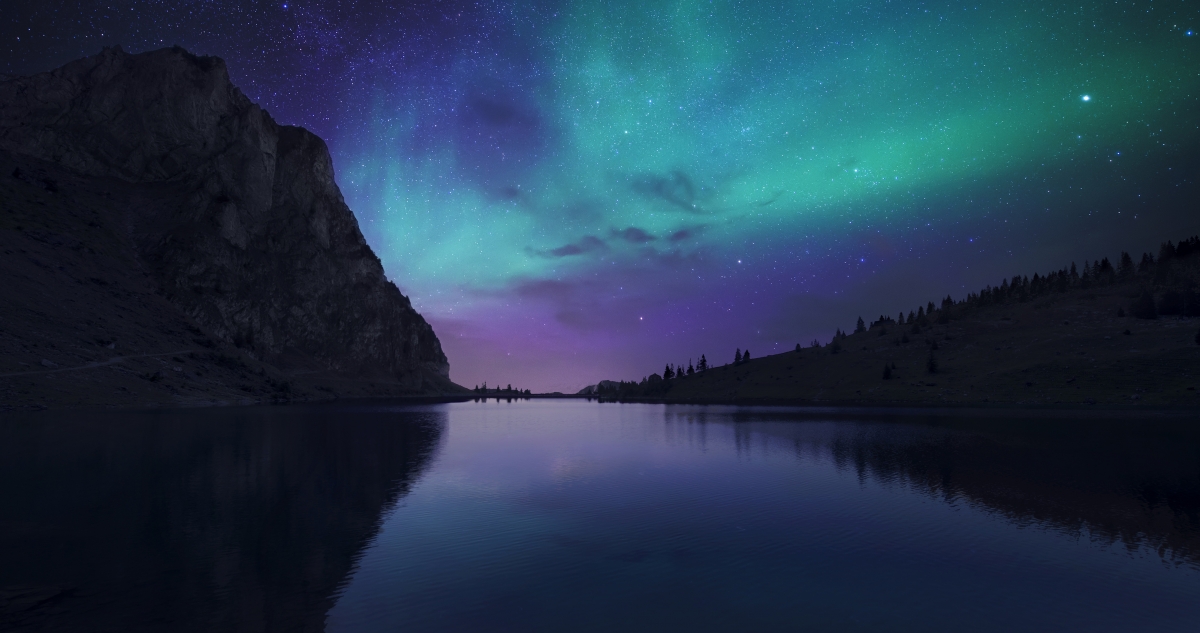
611 162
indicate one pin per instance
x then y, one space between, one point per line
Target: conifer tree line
494 391
1163 284
678 371
1169 287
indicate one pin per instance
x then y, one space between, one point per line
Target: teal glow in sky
586 190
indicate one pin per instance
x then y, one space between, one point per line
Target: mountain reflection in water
213 520
580 516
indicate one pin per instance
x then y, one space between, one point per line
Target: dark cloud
675 188
510 192
595 303
551 289
633 235
587 244
686 233
499 134
498 112
769 201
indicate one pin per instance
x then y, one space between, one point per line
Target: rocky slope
156 224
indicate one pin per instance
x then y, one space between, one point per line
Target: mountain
165 241
1125 335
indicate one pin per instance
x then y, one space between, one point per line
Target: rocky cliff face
235 218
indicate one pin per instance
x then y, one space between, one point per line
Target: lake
568 515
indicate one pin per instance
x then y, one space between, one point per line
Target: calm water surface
568 515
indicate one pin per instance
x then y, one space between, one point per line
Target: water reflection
1112 479
235 520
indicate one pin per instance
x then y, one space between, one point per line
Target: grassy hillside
1067 338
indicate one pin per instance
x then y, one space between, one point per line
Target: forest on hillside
1165 284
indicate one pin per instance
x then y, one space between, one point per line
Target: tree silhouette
691 370
667 373
1143 308
1191 303
1171 303
737 358
745 356
860 326
1125 267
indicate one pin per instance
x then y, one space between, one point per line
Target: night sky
579 191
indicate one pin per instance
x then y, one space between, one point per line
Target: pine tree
667 375
1167 252
797 347
703 363
860 327
737 358
1144 308
691 370
1147 263
1191 304
1126 265
900 321
745 356
1171 303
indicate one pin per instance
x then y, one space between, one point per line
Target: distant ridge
151 209
1125 334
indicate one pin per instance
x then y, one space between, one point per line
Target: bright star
1087 97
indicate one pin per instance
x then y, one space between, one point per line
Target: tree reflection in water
1133 480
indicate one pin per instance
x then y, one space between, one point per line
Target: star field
576 191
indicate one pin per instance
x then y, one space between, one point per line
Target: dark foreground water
576 516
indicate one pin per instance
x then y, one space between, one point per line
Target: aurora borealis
579 191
